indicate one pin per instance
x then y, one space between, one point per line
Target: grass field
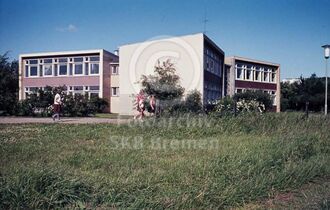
194 162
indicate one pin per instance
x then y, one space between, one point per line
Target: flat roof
62 53
253 60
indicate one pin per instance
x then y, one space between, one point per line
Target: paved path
66 120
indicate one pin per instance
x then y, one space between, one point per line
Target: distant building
291 80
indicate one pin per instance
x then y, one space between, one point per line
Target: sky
288 32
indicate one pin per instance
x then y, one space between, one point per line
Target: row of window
210 53
44 70
75 90
63 60
253 73
214 66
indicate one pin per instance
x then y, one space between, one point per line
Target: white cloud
68 28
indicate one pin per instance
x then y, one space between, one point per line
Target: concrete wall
186 52
115 106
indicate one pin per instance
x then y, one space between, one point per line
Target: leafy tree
164 85
8 85
295 95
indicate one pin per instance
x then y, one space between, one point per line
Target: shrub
258 96
40 104
193 102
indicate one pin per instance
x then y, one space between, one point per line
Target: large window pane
94 68
78 68
239 73
33 71
63 70
48 70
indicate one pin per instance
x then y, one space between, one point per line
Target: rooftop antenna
205 20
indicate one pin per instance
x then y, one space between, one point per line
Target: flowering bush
226 106
250 106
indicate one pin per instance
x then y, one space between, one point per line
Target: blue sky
289 32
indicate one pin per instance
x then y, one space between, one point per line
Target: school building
199 62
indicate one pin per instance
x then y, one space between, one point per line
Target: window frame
33 65
44 68
112 91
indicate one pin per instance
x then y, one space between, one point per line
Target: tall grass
183 162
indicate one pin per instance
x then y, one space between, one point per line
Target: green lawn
197 162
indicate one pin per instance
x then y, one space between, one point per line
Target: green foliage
294 96
40 104
154 164
193 101
164 85
8 85
259 96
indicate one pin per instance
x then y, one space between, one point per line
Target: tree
164 85
295 95
8 85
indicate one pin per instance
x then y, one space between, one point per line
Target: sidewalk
64 120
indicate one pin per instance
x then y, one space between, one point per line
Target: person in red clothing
139 103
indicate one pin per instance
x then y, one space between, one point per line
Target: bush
40 104
258 96
191 104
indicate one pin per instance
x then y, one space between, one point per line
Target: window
78 68
40 70
86 68
95 58
80 59
248 74
63 60
63 69
33 61
48 70
266 76
55 69
115 91
94 95
114 69
94 87
239 90
239 72
273 76
257 78
48 61
33 71
70 69
94 68
26 71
